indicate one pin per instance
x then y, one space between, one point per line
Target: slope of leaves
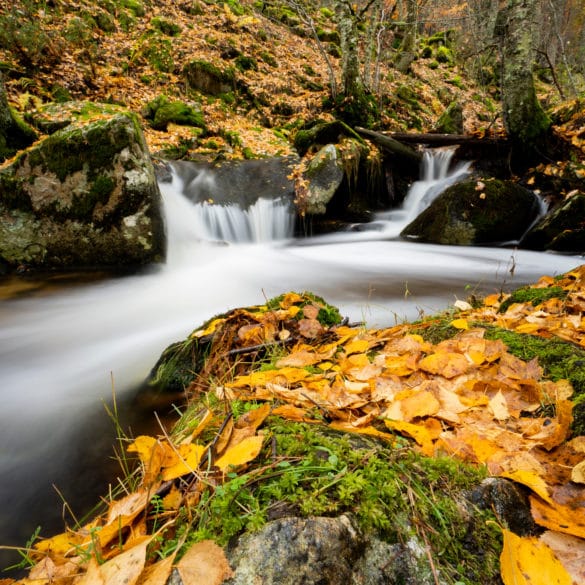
466 397
69 51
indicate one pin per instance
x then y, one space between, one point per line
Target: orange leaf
529 561
245 451
420 434
569 520
445 363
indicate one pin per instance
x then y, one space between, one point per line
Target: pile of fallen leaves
466 396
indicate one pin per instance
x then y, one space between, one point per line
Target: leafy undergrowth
295 412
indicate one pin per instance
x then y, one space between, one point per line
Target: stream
64 352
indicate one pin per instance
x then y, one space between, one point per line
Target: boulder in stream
85 196
476 211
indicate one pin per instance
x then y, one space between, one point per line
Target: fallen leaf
565 519
529 561
570 551
204 563
531 480
245 451
578 473
186 461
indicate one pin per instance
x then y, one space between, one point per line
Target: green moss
391 491
136 6
533 295
165 26
560 361
244 63
444 55
161 112
158 52
328 314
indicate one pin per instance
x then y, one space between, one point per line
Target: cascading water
60 352
264 220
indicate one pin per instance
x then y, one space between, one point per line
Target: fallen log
445 139
388 143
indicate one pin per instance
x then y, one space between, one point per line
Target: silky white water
59 353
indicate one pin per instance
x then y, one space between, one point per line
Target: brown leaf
310 328
204 564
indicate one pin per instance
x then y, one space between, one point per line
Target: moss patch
308 470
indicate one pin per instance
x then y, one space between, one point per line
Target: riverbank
272 415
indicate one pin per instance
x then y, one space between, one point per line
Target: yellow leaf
445 363
499 406
531 480
528 561
459 324
356 346
60 544
209 329
578 473
420 434
188 458
243 452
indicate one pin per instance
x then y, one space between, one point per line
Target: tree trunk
14 134
349 40
525 121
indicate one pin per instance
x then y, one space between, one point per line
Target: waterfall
436 176
200 216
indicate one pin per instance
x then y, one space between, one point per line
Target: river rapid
63 353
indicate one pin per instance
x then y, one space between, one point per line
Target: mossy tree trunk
356 105
347 26
14 134
525 121
407 51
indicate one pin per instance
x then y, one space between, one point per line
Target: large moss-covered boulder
476 212
207 78
84 197
563 229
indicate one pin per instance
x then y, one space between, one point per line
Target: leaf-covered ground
448 386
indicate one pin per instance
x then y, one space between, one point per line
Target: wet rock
509 502
324 175
562 229
476 212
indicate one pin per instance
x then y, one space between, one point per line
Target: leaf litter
466 396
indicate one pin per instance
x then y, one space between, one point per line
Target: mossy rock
50 118
165 26
476 212
309 475
15 134
207 78
162 111
451 120
84 197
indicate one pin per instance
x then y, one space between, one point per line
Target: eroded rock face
476 212
84 197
